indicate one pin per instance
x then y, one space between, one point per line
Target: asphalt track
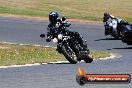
61 75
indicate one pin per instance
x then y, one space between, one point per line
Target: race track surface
62 75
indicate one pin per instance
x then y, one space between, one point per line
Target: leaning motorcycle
70 47
126 29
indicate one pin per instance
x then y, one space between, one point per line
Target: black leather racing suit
58 25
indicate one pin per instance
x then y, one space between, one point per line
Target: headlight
55 40
60 36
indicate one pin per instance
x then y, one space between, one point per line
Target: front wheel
69 54
106 32
115 35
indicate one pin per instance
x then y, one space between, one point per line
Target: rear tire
88 58
70 58
129 42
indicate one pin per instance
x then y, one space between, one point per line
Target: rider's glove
42 35
48 38
67 24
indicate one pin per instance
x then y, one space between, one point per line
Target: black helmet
107 15
53 16
64 18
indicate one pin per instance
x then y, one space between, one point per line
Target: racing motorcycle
111 28
126 29
70 47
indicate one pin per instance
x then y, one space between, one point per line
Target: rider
107 19
56 23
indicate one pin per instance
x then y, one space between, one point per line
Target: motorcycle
111 28
126 29
70 47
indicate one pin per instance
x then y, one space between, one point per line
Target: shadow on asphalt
57 63
107 39
121 48
124 48
63 63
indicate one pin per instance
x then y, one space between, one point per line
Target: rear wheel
129 43
69 54
88 58
124 40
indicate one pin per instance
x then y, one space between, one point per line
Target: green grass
81 9
11 54
100 54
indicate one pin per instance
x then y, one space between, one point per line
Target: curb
112 56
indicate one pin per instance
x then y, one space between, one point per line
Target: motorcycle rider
56 23
108 18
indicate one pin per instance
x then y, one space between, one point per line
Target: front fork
59 48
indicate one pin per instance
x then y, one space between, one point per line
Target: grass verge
82 9
13 54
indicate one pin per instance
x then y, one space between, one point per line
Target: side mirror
42 35
64 18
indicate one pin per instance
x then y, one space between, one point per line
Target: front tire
69 54
115 35
106 32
